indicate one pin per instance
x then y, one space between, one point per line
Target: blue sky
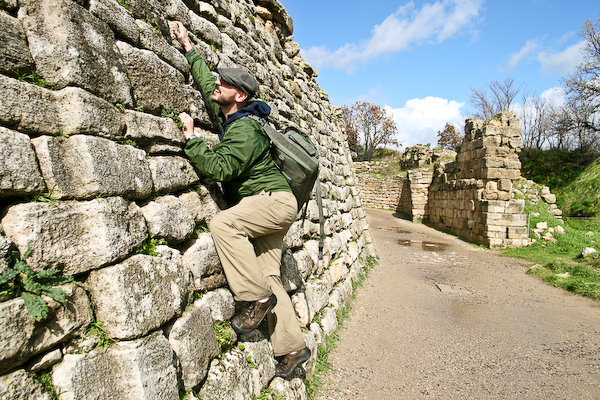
420 59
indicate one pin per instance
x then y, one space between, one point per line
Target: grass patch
561 264
576 278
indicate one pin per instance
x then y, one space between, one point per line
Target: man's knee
218 223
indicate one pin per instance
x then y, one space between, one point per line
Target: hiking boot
251 316
288 364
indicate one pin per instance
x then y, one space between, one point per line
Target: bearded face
226 94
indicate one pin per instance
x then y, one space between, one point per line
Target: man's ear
240 97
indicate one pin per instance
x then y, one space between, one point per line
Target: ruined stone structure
94 182
471 197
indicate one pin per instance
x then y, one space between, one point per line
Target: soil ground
442 319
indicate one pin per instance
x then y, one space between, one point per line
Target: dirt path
446 320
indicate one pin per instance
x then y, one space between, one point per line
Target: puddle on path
392 229
423 245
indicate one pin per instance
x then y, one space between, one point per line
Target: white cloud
407 27
420 120
551 61
562 62
526 51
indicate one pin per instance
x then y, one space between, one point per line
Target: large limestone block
21 385
146 129
19 171
31 109
139 295
71 47
201 258
193 339
83 167
171 173
167 217
221 304
117 17
82 112
14 53
75 236
153 41
136 370
22 337
229 378
202 204
28 108
156 84
261 355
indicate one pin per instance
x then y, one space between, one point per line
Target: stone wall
93 180
473 197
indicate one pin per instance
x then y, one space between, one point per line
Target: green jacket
242 160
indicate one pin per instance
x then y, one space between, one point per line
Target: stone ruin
94 181
473 196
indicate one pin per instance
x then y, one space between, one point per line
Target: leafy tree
495 98
369 126
449 138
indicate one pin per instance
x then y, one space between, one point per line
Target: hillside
582 196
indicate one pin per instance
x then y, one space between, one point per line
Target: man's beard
222 99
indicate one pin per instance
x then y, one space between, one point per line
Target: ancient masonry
93 181
472 197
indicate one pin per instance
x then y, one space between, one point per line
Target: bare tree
495 98
583 87
369 126
536 119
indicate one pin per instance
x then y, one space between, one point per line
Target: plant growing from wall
20 280
225 337
150 245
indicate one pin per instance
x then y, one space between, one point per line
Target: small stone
587 251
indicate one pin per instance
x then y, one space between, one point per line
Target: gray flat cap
239 78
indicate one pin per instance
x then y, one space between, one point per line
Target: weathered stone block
229 378
32 109
22 337
118 18
201 205
192 338
135 370
75 236
14 53
156 84
139 295
21 385
221 304
19 172
150 39
146 128
166 217
201 258
82 112
71 47
171 173
261 354
83 167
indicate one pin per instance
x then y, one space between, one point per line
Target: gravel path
441 319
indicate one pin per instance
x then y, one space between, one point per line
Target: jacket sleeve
233 157
205 79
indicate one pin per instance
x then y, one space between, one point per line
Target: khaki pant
248 238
